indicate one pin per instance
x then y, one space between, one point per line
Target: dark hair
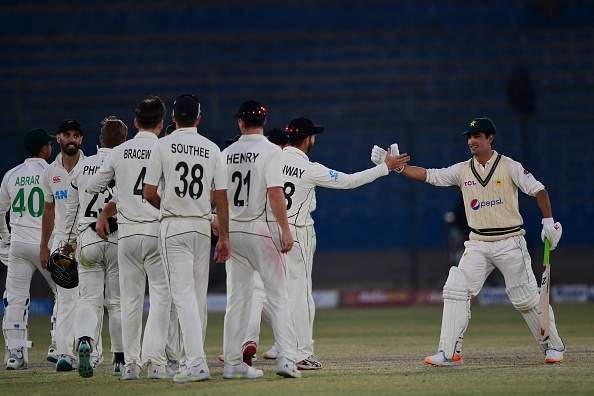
150 112
184 124
113 132
254 124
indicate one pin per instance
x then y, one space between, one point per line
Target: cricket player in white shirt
55 183
301 177
186 165
489 183
21 193
260 237
97 258
138 246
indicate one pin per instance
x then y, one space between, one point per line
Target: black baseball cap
277 136
36 138
231 141
186 108
252 111
482 124
68 125
300 128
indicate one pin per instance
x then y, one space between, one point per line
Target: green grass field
365 352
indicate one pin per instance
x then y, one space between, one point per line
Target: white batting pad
456 312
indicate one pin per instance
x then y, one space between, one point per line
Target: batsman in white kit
489 182
21 193
186 165
138 246
301 177
259 235
55 183
99 283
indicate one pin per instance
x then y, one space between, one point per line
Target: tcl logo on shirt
56 179
469 183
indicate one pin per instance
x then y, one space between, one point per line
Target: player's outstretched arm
415 173
279 208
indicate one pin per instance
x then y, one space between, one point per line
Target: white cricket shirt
186 164
254 164
21 193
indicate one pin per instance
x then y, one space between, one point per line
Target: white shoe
173 367
241 370
52 353
96 361
132 371
194 374
65 363
554 356
439 359
16 363
286 368
156 371
311 363
272 353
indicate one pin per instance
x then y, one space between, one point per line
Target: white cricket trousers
185 247
510 256
23 261
255 246
299 286
139 258
99 286
66 311
259 311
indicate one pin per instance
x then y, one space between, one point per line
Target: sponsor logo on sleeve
333 174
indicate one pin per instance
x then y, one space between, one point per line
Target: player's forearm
98 182
279 208
220 199
150 194
415 173
542 198
109 210
47 223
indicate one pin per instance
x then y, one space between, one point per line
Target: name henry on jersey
190 150
293 171
141 154
239 158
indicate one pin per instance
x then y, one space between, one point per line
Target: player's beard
70 148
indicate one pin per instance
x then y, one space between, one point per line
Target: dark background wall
377 72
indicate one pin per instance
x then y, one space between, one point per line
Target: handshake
378 155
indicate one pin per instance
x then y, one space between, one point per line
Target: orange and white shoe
554 356
439 359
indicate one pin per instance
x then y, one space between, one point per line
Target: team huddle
151 208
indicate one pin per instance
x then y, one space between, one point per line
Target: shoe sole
191 379
52 359
85 368
429 361
64 365
552 360
289 374
250 350
242 376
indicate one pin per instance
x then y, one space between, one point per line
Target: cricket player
186 165
489 182
21 193
138 247
54 183
301 177
259 236
97 259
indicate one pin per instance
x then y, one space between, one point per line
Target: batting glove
394 152
378 155
4 249
552 231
